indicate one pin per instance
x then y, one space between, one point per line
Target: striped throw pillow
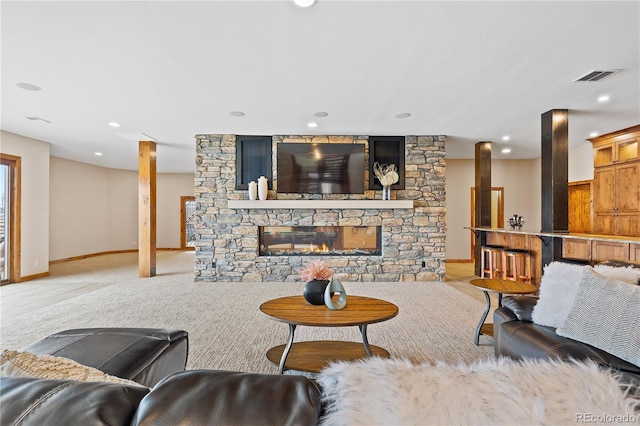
606 314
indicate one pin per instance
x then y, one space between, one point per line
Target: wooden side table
314 355
500 286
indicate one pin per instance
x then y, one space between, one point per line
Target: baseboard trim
31 277
102 253
458 261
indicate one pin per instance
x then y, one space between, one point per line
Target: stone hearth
227 239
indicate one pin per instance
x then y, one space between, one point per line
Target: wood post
147 209
483 198
555 180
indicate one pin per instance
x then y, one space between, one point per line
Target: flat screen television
320 168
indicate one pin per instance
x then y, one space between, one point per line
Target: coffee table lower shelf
315 355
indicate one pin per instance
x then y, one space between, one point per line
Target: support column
147 209
555 180
483 198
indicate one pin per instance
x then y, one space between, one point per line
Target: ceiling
473 71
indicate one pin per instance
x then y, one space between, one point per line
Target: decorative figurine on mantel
253 190
516 222
387 174
262 188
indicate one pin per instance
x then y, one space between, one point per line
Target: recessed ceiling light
97 154
403 115
312 124
593 134
114 124
506 150
320 114
237 113
29 86
506 138
604 98
304 3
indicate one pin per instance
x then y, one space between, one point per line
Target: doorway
187 230
9 219
497 212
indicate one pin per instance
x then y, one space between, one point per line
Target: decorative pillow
26 364
606 315
557 290
623 272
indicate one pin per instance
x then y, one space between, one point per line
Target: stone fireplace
409 229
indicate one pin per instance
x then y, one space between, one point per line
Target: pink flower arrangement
316 270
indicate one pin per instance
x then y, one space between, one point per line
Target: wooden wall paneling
535 247
576 249
580 207
519 241
498 238
634 253
605 250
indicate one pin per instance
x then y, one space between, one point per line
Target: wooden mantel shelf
321 204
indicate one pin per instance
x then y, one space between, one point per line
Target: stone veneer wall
227 239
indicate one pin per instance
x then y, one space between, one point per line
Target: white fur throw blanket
395 392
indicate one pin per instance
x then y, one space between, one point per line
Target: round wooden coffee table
313 356
500 286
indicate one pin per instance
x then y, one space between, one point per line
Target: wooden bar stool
517 265
491 261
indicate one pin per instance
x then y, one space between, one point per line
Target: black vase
314 291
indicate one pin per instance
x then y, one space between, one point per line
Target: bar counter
592 248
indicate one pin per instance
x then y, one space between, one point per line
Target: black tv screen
320 168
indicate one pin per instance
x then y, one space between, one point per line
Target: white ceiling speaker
304 3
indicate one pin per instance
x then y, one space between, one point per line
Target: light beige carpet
226 328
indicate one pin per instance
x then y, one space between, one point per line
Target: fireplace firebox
320 240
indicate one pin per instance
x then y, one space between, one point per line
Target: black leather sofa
516 336
155 358
144 355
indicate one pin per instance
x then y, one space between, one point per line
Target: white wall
521 182
79 210
581 162
34 220
95 209
123 210
170 188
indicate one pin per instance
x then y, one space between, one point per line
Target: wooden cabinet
616 183
611 153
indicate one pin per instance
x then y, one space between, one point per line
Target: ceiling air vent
596 75
34 118
135 137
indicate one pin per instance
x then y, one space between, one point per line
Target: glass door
187 230
5 220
